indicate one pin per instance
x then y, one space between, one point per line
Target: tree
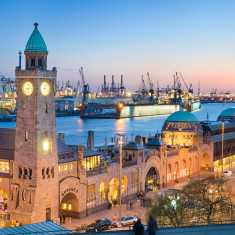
169 210
207 198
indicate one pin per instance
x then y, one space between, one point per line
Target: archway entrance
113 194
205 163
3 207
69 205
152 180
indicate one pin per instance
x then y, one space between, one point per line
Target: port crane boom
85 87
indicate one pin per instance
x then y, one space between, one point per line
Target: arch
103 189
124 184
69 205
113 194
176 171
152 180
205 163
189 169
184 169
168 172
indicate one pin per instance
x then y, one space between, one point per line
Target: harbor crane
151 90
143 90
85 87
190 88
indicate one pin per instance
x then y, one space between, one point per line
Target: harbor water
76 129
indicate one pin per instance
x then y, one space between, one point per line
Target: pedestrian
138 227
152 225
64 217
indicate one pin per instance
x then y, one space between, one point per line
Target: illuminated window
65 167
46 146
60 169
71 166
69 207
4 167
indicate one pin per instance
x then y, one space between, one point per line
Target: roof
36 42
7 137
182 116
227 136
218 126
228 113
133 146
90 152
156 142
65 153
47 227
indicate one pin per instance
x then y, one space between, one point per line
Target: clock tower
35 188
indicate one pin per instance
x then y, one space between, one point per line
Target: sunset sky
129 37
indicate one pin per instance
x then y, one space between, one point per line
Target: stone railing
97 170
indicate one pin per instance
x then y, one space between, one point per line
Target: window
32 62
43 173
4 167
60 169
71 166
30 174
26 135
52 172
23 195
48 173
65 167
47 146
40 62
20 172
25 173
46 111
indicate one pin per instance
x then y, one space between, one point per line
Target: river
76 129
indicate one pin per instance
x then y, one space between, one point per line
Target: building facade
43 178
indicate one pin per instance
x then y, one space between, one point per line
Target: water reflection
76 129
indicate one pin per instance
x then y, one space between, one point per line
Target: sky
126 37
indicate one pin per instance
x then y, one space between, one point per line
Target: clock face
27 88
45 88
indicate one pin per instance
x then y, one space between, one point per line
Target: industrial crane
151 90
190 88
85 87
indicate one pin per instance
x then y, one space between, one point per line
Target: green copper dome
36 42
228 113
182 116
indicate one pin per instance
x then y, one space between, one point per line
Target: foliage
167 211
198 201
207 198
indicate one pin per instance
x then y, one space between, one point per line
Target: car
227 173
99 225
128 220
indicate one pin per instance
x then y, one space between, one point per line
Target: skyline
129 38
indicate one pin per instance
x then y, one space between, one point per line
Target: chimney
90 140
61 137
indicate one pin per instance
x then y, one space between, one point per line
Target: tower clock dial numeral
45 88
27 88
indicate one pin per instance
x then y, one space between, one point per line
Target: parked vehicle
128 220
227 173
99 225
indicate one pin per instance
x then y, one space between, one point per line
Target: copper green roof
155 142
182 116
228 113
36 42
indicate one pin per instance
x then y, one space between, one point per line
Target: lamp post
222 148
120 176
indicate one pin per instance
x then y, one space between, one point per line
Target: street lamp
120 176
